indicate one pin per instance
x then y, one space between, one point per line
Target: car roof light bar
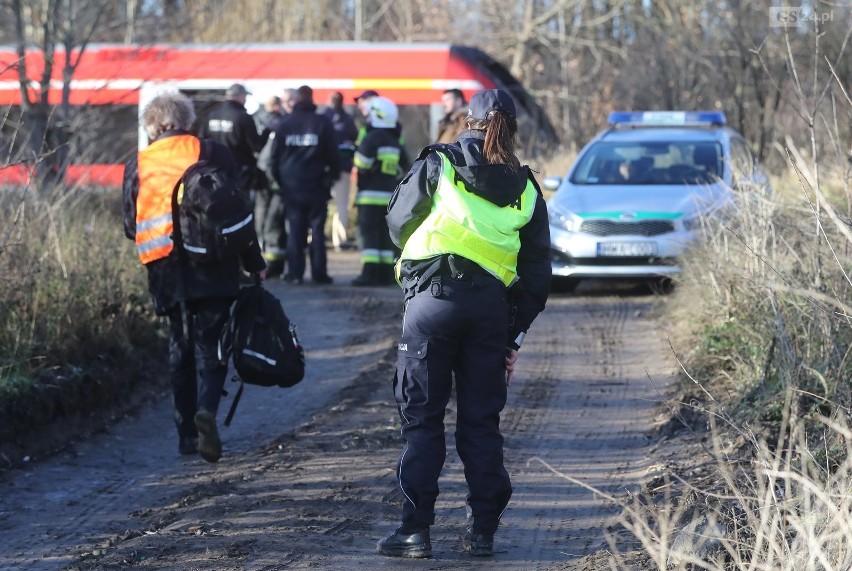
667 118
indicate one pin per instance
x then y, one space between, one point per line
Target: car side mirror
551 182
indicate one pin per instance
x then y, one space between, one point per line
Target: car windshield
658 162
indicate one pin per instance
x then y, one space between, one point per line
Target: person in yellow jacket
207 290
475 268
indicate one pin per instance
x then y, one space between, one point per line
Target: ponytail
500 129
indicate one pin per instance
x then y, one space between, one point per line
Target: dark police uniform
476 271
231 125
304 160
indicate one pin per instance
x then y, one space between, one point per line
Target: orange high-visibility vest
161 165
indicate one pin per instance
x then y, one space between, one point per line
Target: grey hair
168 112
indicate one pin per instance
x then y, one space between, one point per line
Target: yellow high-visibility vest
466 224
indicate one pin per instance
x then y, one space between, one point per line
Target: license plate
633 249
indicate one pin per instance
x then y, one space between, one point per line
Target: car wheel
661 286
563 285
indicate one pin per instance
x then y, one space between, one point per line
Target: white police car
638 192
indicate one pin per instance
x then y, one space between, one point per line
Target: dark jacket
201 281
499 184
231 125
265 120
304 155
345 133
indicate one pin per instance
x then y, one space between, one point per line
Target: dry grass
71 290
764 332
764 335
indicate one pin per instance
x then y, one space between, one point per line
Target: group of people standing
295 160
464 230
289 155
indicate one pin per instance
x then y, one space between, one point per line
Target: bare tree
43 26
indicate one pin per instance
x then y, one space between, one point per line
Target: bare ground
307 478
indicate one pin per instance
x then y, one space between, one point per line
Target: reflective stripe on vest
373 197
468 225
161 164
375 256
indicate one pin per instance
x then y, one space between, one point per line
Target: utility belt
450 269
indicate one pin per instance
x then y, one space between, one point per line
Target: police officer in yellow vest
475 267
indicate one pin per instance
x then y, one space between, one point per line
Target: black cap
489 100
237 89
366 94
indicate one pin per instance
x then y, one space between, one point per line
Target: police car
639 192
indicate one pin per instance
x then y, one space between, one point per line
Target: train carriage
113 82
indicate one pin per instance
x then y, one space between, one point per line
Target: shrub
71 290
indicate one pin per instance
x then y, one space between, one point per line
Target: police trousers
453 328
305 218
197 377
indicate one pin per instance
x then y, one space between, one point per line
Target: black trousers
455 328
378 252
197 377
302 218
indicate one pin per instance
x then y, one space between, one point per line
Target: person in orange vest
206 290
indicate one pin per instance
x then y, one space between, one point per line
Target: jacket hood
500 184
305 106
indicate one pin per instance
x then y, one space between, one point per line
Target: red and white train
112 82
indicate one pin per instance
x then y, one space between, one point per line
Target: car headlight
564 220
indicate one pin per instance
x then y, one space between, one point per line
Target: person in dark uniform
231 125
475 268
195 371
305 161
378 161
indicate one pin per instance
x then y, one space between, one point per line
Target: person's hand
511 359
262 274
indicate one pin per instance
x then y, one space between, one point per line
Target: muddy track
307 479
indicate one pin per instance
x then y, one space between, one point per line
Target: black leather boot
188 445
414 545
478 544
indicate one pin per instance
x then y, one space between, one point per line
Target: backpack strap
234 404
206 151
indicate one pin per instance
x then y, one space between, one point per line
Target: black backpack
262 343
214 217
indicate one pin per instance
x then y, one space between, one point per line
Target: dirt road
306 481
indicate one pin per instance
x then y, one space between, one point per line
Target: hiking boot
188 445
478 544
415 545
209 444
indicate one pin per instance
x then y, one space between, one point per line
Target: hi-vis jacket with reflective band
466 224
378 162
161 164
